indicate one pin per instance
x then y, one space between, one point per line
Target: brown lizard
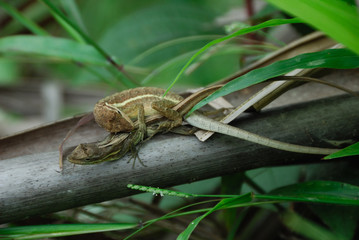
119 112
157 122
159 118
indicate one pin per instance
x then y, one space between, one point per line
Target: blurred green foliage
154 39
146 36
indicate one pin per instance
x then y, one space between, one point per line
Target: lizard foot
135 155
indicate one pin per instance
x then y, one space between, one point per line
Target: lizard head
85 153
111 119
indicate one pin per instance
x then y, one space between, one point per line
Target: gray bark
32 184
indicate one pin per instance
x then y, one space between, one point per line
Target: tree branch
32 184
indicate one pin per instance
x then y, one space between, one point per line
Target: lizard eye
87 159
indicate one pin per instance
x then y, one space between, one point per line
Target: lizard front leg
141 131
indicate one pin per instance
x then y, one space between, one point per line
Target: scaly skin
205 123
116 113
92 153
113 146
158 123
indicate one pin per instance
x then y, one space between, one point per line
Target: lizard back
106 110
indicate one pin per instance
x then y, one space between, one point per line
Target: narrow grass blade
165 192
330 58
78 34
72 10
52 47
29 24
316 192
223 203
171 44
57 230
70 27
269 23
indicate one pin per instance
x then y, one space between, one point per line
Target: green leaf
331 58
269 23
317 192
336 18
57 230
222 204
171 48
56 48
348 151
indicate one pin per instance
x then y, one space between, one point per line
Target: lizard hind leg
135 156
164 107
136 138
